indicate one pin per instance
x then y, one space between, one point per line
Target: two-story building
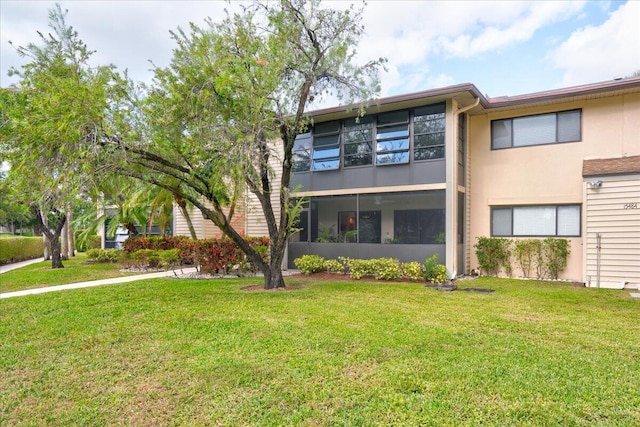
432 171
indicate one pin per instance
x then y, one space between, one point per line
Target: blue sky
504 48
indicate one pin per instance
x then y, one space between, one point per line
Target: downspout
456 114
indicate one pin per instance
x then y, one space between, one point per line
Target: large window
397 137
541 129
562 221
393 218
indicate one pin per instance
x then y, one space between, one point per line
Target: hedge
16 249
211 255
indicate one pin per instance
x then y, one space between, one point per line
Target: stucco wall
547 174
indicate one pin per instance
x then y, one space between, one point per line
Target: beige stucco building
430 172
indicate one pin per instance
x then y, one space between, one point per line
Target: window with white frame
525 221
552 128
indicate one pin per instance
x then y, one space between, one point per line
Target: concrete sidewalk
9 267
92 283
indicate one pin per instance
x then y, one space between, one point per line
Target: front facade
430 172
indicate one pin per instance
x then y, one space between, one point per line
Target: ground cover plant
75 270
207 352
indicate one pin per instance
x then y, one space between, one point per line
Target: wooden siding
613 210
255 222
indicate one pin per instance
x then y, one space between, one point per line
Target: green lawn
41 274
205 352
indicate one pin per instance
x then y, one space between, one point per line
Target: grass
206 352
41 274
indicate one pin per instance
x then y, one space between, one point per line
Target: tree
50 118
223 117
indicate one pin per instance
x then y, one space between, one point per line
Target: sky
505 48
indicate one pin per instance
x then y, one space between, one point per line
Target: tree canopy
214 127
50 119
222 118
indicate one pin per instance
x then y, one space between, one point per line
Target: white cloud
599 53
506 26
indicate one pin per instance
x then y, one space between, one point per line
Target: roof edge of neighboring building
489 103
612 166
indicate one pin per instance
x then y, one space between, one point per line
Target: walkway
115 280
8 267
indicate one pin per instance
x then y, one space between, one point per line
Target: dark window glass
326 146
401 131
358 137
419 226
428 132
302 153
394 117
429 153
369 227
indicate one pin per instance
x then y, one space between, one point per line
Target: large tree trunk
56 255
52 236
273 278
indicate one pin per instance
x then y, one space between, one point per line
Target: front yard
207 352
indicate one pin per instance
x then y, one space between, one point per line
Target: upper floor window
428 132
540 129
302 152
358 141
326 146
396 137
392 138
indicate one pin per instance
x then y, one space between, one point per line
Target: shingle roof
620 165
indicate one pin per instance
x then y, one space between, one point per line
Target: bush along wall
16 249
535 258
211 256
378 268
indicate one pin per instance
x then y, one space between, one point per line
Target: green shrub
493 255
104 255
434 272
147 258
334 266
556 254
412 270
524 251
359 268
15 249
169 259
385 268
308 264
